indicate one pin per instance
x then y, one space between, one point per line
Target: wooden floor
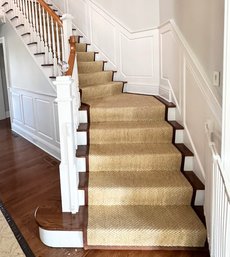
28 178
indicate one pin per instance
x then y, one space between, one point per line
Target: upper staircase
136 186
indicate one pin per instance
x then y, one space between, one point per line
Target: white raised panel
17 109
103 35
137 56
28 112
44 118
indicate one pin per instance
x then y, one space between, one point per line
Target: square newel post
67 32
69 178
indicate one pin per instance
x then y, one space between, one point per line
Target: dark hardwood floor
28 178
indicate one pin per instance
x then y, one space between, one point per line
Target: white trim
56 238
142 89
39 142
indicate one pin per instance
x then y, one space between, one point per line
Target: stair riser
82 138
131 136
85 57
83 116
95 78
105 90
82 164
104 115
88 67
33 49
134 163
123 196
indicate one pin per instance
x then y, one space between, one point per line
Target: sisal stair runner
137 195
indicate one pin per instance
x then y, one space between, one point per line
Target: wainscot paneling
183 81
34 116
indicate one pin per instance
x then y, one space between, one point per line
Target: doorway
4 103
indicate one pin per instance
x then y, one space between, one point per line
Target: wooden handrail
51 12
72 56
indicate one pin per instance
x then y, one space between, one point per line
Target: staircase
135 172
137 193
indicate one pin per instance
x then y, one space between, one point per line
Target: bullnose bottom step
144 226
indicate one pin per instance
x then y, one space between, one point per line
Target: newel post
69 178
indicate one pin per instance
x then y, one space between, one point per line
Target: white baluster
40 28
62 44
45 35
29 10
54 47
49 39
58 44
26 9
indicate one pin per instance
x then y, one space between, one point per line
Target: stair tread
139 188
126 100
133 149
130 132
135 179
129 125
144 226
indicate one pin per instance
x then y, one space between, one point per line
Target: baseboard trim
39 142
141 89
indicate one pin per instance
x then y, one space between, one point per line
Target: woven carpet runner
137 195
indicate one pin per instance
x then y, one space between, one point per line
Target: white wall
132 14
183 80
133 54
23 71
202 24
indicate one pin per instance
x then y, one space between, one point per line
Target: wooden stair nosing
20 25
52 218
83 127
5 3
15 17
47 65
10 10
32 43
25 34
41 53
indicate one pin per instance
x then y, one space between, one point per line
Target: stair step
81 47
134 157
130 132
88 67
101 77
139 188
86 56
144 226
101 90
126 107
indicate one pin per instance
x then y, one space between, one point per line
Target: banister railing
217 203
47 29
